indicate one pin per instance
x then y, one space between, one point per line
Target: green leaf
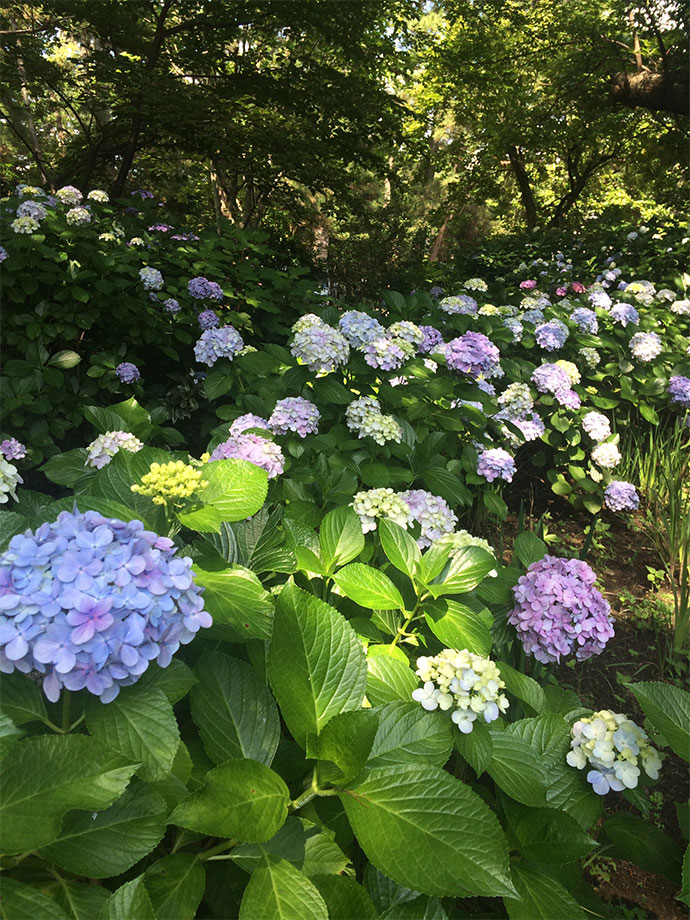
239 604
406 733
67 469
262 543
457 842
135 417
433 562
25 902
234 710
11 524
217 383
684 894
421 908
20 699
280 891
447 485
668 709
541 897
204 520
389 678
175 680
113 840
476 747
302 843
46 776
346 741
308 561
315 663
243 799
467 569
402 551
529 548
345 899
236 488
549 835
81 901
458 626
517 769
139 724
66 359
644 844
495 504
9 734
368 587
175 885
523 687
114 483
341 538
129 901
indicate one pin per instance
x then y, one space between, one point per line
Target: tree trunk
517 161
655 91
437 245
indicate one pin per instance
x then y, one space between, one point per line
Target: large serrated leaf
236 488
668 709
517 769
341 538
541 897
409 734
280 891
368 587
25 902
239 604
175 885
130 900
458 626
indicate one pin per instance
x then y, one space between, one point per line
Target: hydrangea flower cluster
9 479
306 320
431 341
621 496
558 610
78 217
678 390
99 195
550 378
570 369
533 315
596 426
201 288
624 313
600 299
249 420
551 335
407 331
4 254
515 401
532 428
294 414
585 319
254 448
474 354
515 326
173 483
90 602
102 450
70 195
464 682
476 284
590 356
25 225
224 342
151 278
614 747
171 306
528 285
32 209
321 347
12 449
495 463
208 319
378 503
606 455
645 346
386 353
433 514
364 416
460 303
359 328
127 372
681 307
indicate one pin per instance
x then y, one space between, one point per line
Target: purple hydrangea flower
294 414
225 342
436 292
431 341
4 254
387 353
208 319
600 299
625 313
89 601
128 372
495 463
432 512
249 420
558 611
359 328
142 193
252 447
473 354
321 347
12 449
678 390
551 378
171 306
621 496
201 288
585 319
552 335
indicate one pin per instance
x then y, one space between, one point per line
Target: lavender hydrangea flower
624 313
32 209
89 602
495 463
151 278
515 326
249 420
294 414
4 254
208 319
321 347
678 390
431 341
474 354
597 426
213 344
550 378
558 611
359 328
621 496
252 447
171 306
433 514
436 292
551 335
201 288
585 320
387 354
600 299
12 449
127 372
533 316
460 304
645 346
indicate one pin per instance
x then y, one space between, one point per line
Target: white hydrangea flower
101 450
681 307
70 195
78 217
597 426
606 455
377 503
9 479
25 225
476 284
98 194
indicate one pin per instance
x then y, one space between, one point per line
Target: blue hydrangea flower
201 288
171 306
474 354
128 372
294 414
460 303
321 347
678 390
621 496
208 319
4 254
225 342
551 335
585 320
89 602
359 328
625 313
151 278
600 299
